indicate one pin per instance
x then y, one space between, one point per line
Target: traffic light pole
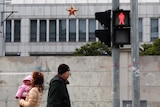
135 54
115 58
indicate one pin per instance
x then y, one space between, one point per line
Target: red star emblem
72 11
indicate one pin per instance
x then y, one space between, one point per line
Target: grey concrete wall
90 82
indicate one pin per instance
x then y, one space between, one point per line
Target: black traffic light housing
103 36
121 27
121 36
105 20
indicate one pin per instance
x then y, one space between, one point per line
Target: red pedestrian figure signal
121 18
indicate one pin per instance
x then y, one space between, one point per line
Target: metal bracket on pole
2 13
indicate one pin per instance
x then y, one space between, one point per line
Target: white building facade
45 27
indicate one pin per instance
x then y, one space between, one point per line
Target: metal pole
115 59
2 29
135 54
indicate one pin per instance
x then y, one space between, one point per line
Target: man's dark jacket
58 94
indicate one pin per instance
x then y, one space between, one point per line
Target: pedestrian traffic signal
121 18
121 27
104 36
104 18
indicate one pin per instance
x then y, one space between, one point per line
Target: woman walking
34 96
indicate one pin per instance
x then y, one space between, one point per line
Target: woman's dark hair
38 80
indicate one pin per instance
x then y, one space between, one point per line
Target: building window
154 29
82 30
140 30
8 31
92 28
62 30
33 31
72 30
42 31
13 54
52 30
128 103
17 30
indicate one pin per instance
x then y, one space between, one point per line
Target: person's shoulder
56 80
34 89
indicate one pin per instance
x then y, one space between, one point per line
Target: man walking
58 93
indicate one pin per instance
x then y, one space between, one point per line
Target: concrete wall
90 82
